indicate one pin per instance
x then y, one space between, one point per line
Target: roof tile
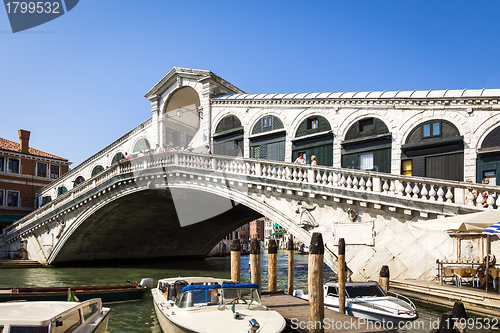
14 146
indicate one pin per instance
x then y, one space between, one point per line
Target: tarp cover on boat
241 285
200 287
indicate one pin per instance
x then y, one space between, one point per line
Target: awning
276 225
9 218
277 233
475 222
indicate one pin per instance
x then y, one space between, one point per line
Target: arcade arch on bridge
488 158
314 137
181 119
228 137
268 139
140 145
97 169
434 149
367 146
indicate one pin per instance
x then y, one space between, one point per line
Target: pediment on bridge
176 75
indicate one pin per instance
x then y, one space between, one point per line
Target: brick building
257 228
24 171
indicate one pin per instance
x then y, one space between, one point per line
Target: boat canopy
241 285
201 287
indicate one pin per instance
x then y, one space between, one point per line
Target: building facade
23 172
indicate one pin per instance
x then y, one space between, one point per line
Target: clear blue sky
77 83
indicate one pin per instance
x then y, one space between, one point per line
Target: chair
448 274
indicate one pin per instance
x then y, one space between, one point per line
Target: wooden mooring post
235 260
384 277
291 265
342 275
255 263
315 283
272 264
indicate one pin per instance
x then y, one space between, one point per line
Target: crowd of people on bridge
161 149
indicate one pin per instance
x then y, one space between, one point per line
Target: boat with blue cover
204 304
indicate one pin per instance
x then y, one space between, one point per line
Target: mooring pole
315 281
235 260
272 253
384 277
255 262
291 265
342 275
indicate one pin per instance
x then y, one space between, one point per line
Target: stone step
13 263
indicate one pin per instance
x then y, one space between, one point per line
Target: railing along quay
325 179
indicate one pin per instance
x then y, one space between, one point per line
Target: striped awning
493 229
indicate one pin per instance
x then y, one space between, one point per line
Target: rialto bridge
383 159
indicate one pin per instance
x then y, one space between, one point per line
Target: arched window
141 145
266 124
228 137
434 149
367 146
118 156
97 169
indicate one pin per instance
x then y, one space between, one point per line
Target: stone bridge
181 204
178 204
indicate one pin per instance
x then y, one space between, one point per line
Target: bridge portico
175 203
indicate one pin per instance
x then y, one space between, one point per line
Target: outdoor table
461 272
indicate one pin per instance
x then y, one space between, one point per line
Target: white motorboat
209 305
367 300
54 317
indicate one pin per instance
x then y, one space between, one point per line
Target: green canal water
139 316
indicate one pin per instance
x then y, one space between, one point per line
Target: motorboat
367 300
54 316
107 293
210 305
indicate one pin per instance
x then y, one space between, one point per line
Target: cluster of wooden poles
315 271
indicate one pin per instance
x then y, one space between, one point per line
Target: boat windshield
225 296
248 296
365 291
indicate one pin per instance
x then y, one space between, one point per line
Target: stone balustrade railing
264 171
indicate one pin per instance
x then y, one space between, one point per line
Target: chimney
24 138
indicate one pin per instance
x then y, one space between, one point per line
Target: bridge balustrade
326 178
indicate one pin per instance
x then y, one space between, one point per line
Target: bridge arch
103 215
